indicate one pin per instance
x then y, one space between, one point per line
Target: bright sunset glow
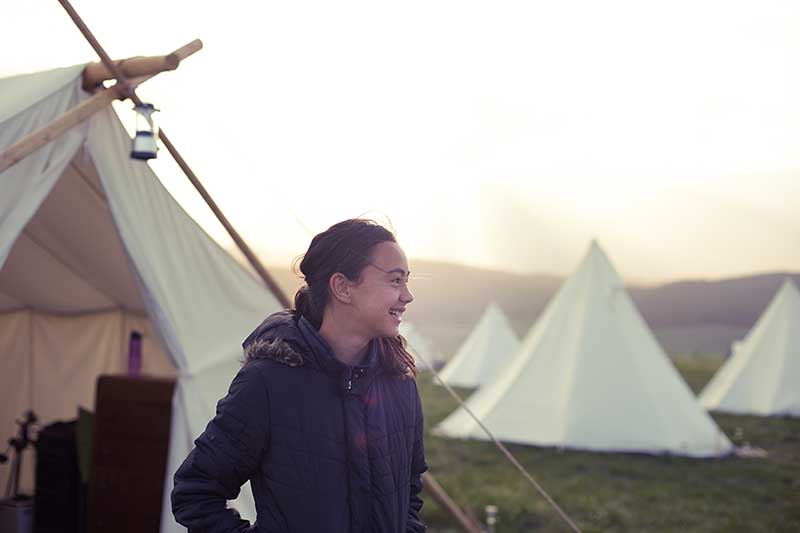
502 134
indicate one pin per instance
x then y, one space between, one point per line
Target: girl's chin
386 330
392 330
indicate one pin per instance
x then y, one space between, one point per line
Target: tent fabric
16 377
24 91
590 375
33 177
762 376
489 345
92 246
67 353
92 273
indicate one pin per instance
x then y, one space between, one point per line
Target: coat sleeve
418 467
223 458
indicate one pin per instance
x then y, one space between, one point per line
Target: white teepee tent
419 346
590 375
91 247
490 345
762 376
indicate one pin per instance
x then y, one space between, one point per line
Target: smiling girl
324 419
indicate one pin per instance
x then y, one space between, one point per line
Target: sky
498 134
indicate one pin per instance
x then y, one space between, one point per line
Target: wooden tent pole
84 29
121 79
447 504
101 98
133 67
432 487
245 249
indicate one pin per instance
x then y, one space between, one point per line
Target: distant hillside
693 317
736 302
706 316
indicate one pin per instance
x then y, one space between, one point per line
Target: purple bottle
135 354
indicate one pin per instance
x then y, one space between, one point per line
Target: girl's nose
407 297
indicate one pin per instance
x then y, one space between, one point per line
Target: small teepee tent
92 247
490 345
419 346
762 375
590 375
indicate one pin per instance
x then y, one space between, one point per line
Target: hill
688 317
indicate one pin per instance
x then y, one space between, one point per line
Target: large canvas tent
93 247
590 375
762 376
489 345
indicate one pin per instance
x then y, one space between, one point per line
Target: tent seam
100 196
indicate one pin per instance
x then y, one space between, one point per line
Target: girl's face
381 296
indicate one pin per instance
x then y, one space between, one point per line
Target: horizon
286 266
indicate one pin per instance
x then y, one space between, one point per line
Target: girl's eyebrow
397 270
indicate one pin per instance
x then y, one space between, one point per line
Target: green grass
623 492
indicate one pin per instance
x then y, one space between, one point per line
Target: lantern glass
144 143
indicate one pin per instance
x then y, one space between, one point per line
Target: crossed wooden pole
129 73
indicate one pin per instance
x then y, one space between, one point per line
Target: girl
324 418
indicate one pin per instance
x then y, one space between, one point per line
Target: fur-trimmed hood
291 340
278 338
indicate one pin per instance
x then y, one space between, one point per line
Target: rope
501 446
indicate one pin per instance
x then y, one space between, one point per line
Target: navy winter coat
326 447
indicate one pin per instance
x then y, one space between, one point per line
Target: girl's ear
340 288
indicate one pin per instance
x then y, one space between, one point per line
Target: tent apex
789 285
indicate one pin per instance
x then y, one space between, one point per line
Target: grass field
623 492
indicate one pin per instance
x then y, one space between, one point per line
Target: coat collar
291 340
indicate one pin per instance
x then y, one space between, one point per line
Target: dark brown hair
346 247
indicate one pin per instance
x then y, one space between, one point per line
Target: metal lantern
144 143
